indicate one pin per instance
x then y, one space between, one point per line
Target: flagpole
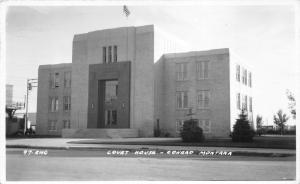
127 13
127 38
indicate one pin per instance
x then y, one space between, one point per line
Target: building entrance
109 95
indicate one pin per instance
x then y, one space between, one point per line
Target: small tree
191 132
242 132
292 103
280 119
259 124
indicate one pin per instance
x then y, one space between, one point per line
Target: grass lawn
276 142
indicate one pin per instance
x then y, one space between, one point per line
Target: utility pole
28 88
26 111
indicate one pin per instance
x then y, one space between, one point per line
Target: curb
234 153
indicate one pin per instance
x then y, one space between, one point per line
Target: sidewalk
88 144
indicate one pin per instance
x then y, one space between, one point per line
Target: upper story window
67 79
250 79
54 80
104 54
238 101
238 73
67 103
115 53
182 99
202 70
181 71
53 104
109 54
245 76
203 98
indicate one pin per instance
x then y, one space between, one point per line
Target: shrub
191 132
167 134
242 132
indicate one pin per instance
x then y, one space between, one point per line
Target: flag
126 10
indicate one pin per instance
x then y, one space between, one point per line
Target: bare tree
292 103
258 122
280 119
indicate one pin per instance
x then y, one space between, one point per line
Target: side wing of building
54 99
241 87
198 81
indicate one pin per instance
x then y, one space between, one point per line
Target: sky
262 35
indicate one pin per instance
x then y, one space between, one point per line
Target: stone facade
163 93
46 92
237 86
134 45
216 83
209 92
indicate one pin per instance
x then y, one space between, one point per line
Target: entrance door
111 118
113 106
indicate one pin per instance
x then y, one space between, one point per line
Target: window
205 125
202 70
56 80
67 79
238 101
109 54
203 98
52 125
238 75
250 104
181 71
244 104
182 99
67 103
179 124
53 105
111 90
104 54
66 124
250 79
115 53
245 76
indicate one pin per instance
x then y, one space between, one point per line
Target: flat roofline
60 65
196 53
82 35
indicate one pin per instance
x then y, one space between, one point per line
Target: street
88 165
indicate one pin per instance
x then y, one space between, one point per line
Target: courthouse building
114 88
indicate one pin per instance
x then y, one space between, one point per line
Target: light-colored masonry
201 82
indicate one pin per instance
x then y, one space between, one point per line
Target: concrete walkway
63 143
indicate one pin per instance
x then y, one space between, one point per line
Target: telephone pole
29 87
